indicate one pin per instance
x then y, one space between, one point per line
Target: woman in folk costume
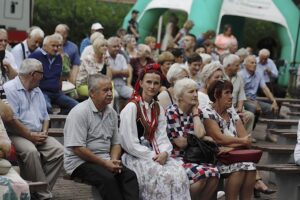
146 144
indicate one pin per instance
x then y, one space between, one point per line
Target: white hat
96 26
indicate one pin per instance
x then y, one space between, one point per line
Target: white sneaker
220 194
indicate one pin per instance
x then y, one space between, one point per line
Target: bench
277 153
278 130
37 186
96 195
279 100
281 123
56 132
287 179
295 107
286 137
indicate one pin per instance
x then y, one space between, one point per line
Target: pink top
224 42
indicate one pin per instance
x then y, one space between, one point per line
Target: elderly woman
210 73
225 127
92 64
183 119
89 49
146 144
129 43
11 184
176 72
139 63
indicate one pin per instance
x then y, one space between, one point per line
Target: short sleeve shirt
87 127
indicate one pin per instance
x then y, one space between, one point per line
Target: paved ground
70 190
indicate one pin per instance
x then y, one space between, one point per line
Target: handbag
200 151
240 155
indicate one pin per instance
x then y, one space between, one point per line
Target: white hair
182 85
53 37
29 65
264 52
206 58
174 70
208 71
230 59
247 59
242 52
37 31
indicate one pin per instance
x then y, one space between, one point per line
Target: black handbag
200 151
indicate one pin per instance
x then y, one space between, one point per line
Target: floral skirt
235 167
163 182
196 172
13 187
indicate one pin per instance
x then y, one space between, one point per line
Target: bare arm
11 72
46 126
270 96
87 155
73 74
119 73
115 152
213 130
239 106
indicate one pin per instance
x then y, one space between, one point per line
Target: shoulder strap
23 50
170 96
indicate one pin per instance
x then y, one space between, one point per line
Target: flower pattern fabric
227 128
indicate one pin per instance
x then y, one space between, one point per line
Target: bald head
63 30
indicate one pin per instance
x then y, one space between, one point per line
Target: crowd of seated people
135 152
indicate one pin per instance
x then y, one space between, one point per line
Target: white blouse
129 134
297 148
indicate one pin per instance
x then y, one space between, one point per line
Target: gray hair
208 71
242 52
3 31
206 58
174 70
64 26
93 81
113 40
264 52
36 31
247 59
29 65
182 85
127 38
55 36
230 59
96 35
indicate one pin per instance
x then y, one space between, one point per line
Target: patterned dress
156 181
227 128
181 124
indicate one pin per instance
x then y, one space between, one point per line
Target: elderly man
41 156
118 70
34 40
268 70
253 80
96 27
52 67
92 144
71 50
231 65
8 59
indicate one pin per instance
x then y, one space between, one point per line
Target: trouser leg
30 163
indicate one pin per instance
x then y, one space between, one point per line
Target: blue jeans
65 102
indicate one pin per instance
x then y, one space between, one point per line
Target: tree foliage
79 15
